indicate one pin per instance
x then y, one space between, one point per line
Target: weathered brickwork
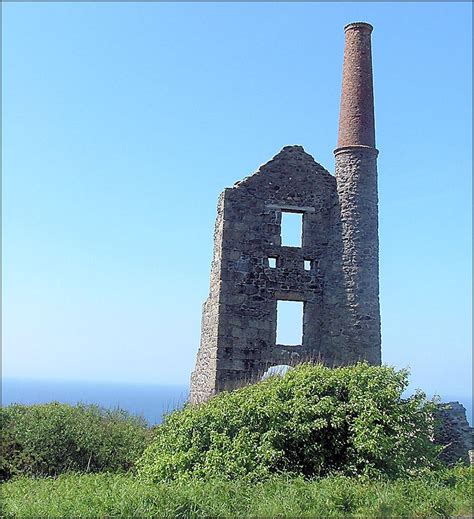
357 122
339 290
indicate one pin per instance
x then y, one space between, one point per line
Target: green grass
441 494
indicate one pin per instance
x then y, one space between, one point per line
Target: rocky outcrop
453 433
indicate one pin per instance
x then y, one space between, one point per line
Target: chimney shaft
356 180
356 120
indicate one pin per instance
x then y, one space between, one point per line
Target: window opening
307 264
272 262
291 229
289 323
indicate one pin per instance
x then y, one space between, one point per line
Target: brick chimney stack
356 120
356 178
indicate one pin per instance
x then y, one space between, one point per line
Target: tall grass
441 494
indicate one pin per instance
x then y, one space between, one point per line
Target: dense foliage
49 439
446 493
314 421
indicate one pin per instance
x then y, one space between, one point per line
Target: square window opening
291 229
290 323
272 262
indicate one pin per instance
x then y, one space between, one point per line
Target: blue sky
122 123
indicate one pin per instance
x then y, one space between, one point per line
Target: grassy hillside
442 494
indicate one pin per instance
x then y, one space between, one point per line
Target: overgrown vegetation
313 422
317 442
50 439
446 493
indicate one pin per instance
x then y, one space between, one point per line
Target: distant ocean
149 400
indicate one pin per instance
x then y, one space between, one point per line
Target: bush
314 421
49 439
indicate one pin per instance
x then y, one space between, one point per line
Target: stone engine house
332 272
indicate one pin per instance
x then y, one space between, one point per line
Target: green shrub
49 439
314 421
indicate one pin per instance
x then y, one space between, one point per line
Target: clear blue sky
122 123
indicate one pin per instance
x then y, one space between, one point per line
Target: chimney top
358 25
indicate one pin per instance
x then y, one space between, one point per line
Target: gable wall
244 289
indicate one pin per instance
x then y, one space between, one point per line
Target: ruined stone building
332 273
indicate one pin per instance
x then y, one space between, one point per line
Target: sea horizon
151 401
146 399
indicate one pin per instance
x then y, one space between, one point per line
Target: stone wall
453 433
356 174
203 382
238 341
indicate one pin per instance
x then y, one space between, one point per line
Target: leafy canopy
314 421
